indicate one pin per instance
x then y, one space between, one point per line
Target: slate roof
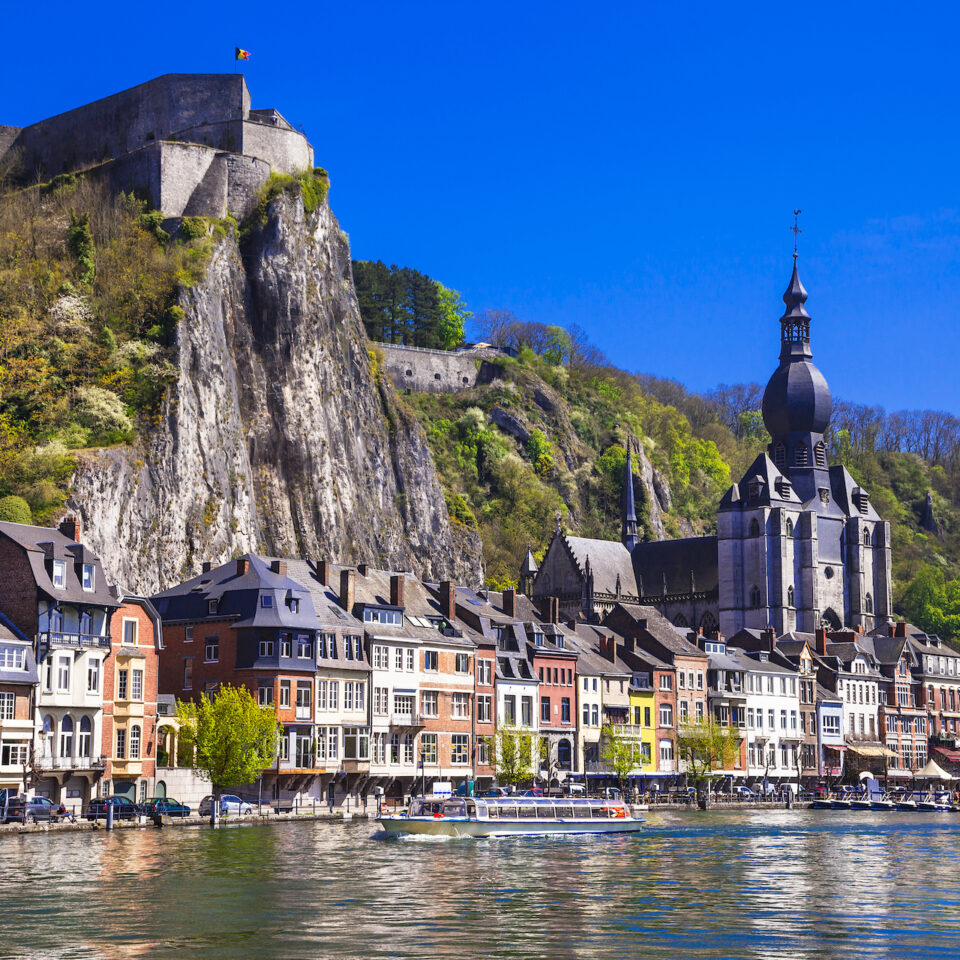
46 543
10 634
775 488
329 613
672 563
608 560
663 631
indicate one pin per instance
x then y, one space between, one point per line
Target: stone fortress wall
190 142
421 370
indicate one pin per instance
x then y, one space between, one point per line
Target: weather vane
796 230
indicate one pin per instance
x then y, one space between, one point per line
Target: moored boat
510 816
882 803
907 804
822 803
861 803
840 803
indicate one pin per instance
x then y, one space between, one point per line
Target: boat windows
565 813
528 810
454 808
545 811
508 811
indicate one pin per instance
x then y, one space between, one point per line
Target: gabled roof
608 560
675 567
775 488
661 629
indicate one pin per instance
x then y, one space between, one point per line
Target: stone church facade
799 544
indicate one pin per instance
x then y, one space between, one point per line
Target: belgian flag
241 54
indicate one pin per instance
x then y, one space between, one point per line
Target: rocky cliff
280 435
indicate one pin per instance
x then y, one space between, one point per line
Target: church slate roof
775 488
665 567
608 560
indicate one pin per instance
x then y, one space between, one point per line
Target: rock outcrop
280 434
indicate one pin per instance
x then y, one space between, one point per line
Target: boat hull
450 827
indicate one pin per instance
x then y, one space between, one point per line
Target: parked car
230 805
123 808
34 809
496 792
165 806
744 793
533 792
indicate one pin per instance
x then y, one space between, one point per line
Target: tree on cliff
235 739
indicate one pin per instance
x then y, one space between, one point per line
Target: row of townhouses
380 680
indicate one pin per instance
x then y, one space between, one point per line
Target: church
798 546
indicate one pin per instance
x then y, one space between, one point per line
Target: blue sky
628 167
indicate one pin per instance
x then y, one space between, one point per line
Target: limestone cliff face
280 435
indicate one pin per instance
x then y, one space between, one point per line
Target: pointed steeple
628 531
528 573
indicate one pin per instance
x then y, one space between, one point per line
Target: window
460 748
13 658
789 527
428 748
294 605
483 753
666 715
484 708
379 748
334 694
684 710
7 703
594 715
790 596
304 647
462 663
866 538
211 606
304 699
63 673
666 681
510 710
544 709
699 710
586 714
188 673
380 701
681 682
135 742
408 748
137 689
430 660
371 615
403 704
85 737
13 754
284 693
820 453
754 528
780 455
484 673
771 723
754 597
526 711
801 455
356 743
121 744
211 650
59 574
460 709
333 645
265 694
381 657
286 645
129 633
93 676
411 660
868 603
188 634
783 719
666 751
266 601
87 576
266 648
565 710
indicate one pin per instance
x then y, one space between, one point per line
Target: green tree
538 449
515 754
80 243
15 510
705 745
933 603
453 317
620 753
234 738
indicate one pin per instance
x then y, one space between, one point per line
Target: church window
820 453
681 621
780 455
866 538
868 603
754 596
801 456
754 528
790 596
708 624
789 527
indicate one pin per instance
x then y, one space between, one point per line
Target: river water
720 884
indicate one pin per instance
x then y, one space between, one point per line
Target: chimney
70 527
769 637
717 637
279 566
207 566
608 648
242 565
323 572
362 569
629 643
572 626
510 603
821 641
396 590
448 599
900 629
554 609
348 589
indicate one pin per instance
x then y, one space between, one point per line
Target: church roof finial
796 230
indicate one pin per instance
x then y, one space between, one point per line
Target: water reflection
751 884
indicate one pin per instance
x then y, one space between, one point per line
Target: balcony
303 712
405 720
73 640
72 763
627 730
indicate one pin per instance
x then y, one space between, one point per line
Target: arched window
49 736
563 754
66 737
830 619
85 737
780 455
594 715
708 623
868 603
754 528
135 742
820 453
866 538
789 527
754 596
680 621
790 596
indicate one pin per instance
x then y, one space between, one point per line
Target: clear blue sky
628 167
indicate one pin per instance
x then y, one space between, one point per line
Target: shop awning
952 755
871 750
899 774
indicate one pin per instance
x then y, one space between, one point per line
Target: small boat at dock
861 803
882 803
510 816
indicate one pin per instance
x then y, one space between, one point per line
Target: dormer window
59 574
294 605
538 639
820 453
266 600
753 490
212 606
88 576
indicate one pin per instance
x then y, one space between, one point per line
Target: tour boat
510 816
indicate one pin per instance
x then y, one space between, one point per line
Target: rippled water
738 884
